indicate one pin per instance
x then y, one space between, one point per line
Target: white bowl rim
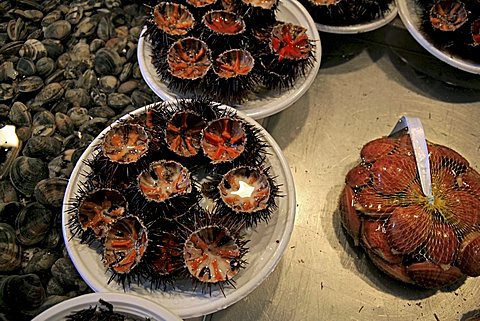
452 60
122 303
239 293
271 106
361 27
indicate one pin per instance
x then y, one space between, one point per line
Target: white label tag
8 137
419 143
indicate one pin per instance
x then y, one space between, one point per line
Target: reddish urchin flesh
125 244
245 190
430 243
289 41
224 22
188 58
224 140
173 18
233 63
99 209
201 3
163 180
125 143
264 4
475 29
212 255
325 2
183 133
448 15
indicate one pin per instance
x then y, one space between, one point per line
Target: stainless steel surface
366 83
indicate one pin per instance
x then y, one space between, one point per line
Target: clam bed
266 246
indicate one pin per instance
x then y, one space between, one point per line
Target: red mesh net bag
430 242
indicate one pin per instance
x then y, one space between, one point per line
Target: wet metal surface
365 84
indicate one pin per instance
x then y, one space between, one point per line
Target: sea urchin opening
99 209
448 15
173 18
224 140
125 143
289 41
245 190
212 255
163 180
183 133
188 58
125 244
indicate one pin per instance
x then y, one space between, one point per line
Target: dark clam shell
58 30
49 93
42 146
43 124
30 84
7 192
26 67
26 291
10 251
108 62
26 172
33 223
64 271
50 191
19 114
34 49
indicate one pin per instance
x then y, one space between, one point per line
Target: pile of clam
67 70
168 193
429 242
226 50
347 12
453 25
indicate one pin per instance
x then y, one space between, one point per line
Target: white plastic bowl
265 103
266 247
130 305
410 13
361 27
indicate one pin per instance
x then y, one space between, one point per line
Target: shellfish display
226 50
452 25
429 242
345 12
161 225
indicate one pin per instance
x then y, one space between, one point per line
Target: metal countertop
365 84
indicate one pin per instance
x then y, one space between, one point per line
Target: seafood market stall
62 90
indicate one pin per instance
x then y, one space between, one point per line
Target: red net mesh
413 239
